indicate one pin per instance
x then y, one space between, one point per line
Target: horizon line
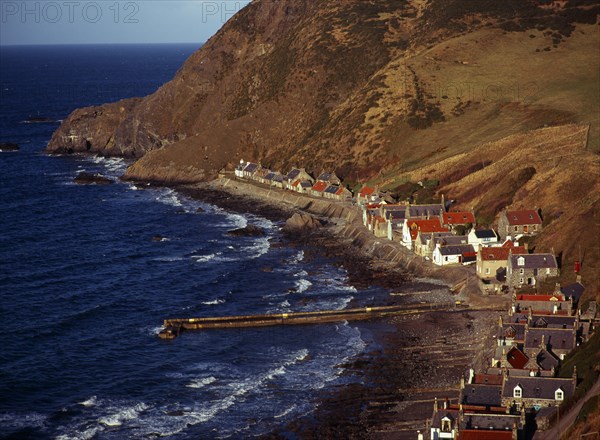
100 44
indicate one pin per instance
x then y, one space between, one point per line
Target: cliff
355 86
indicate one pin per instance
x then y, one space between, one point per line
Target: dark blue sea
84 288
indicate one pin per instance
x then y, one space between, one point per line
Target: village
521 391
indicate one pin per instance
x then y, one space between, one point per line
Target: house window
521 281
535 227
522 271
521 261
487 270
445 258
548 271
559 395
516 228
518 392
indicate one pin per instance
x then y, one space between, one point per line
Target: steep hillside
549 169
357 86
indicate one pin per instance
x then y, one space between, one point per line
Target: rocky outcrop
301 222
8 146
248 231
84 178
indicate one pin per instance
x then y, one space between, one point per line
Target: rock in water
248 231
9 146
301 222
84 178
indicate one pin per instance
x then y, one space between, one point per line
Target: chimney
435 405
575 374
500 321
542 346
579 279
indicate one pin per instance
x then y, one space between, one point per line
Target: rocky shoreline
418 357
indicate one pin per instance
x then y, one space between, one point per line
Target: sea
89 273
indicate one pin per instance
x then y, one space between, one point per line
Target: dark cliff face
356 86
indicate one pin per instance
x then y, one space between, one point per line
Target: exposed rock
84 178
159 238
9 146
301 222
40 120
248 231
200 210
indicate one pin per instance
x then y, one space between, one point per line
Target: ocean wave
299 257
15 421
123 414
286 412
203 258
213 302
302 285
201 383
89 402
259 248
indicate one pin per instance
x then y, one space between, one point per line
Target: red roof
367 191
320 186
500 253
296 183
483 434
458 218
425 226
516 358
525 217
540 298
373 205
340 191
488 379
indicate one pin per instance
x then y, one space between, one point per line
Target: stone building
523 393
529 269
515 223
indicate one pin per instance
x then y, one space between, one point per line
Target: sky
113 21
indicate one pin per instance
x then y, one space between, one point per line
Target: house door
525 229
530 281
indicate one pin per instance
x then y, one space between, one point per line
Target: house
411 227
511 333
555 304
461 254
297 174
278 181
516 223
455 219
482 237
425 211
265 176
520 393
318 188
249 170
424 244
444 423
490 426
486 395
239 169
557 341
492 261
574 291
367 194
301 186
529 269
337 193
330 178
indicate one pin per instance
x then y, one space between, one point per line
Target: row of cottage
520 388
326 185
432 232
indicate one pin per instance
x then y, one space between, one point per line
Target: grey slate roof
552 321
487 395
574 290
436 421
270 176
555 339
332 189
518 329
497 422
293 174
251 167
485 233
534 261
452 240
424 210
456 250
546 360
538 387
